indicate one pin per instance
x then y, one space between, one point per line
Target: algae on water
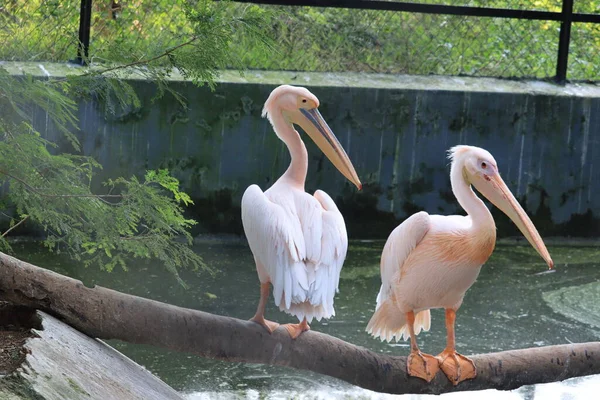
577 302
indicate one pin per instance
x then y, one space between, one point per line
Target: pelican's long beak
315 126
494 188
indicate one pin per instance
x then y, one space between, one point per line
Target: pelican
299 241
429 261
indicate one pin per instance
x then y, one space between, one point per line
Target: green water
514 304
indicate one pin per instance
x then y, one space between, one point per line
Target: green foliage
329 39
112 92
21 96
38 29
216 28
307 38
139 219
134 217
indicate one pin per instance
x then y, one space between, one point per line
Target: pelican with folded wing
430 261
299 241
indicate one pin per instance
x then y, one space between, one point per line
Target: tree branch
38 192
145 61
107 314
15 225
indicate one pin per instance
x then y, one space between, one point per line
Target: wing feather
401 242
300 242
311 221
334 246
277 242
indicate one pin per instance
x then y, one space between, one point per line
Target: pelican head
300 107
481 170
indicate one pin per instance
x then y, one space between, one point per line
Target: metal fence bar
566 18
418 8
85 20
591 18
432 9
563 41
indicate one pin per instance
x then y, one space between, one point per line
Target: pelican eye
483 165
304 100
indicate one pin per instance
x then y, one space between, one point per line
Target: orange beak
315 126
494 189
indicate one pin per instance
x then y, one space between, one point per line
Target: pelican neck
298 168
468 200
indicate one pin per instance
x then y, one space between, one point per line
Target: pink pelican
299 241
429 261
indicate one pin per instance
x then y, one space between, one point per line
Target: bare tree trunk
107 314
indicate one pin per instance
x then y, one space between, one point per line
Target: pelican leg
296 329
259 317
421 365
456 366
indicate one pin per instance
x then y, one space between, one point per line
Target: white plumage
299 241
430 261
299 244
388 322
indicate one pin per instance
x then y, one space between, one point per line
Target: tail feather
390 323
313 290
308 311
387 322
422 321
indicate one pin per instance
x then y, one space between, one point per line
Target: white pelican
429 261
299 241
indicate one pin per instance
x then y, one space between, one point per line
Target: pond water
514 304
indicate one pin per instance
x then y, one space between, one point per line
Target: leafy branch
15 225
164 54
36 191
54 188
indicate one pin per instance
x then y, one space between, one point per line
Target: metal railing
566 17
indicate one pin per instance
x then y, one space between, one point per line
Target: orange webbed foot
270 326
456 366
296 329
422 365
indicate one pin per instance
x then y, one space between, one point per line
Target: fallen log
59 362
107 314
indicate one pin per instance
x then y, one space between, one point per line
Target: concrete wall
396 130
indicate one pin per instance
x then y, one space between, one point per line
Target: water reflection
511 306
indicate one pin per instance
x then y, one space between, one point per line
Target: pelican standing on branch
430 261
299 241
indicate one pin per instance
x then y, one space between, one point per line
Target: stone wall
396 130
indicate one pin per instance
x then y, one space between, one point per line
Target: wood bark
107 314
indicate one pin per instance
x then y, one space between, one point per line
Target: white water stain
590 183
464 117
587 106
381 135
396 168
520 165
348 140
521 129
221 152
570 122
44 70
416 131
